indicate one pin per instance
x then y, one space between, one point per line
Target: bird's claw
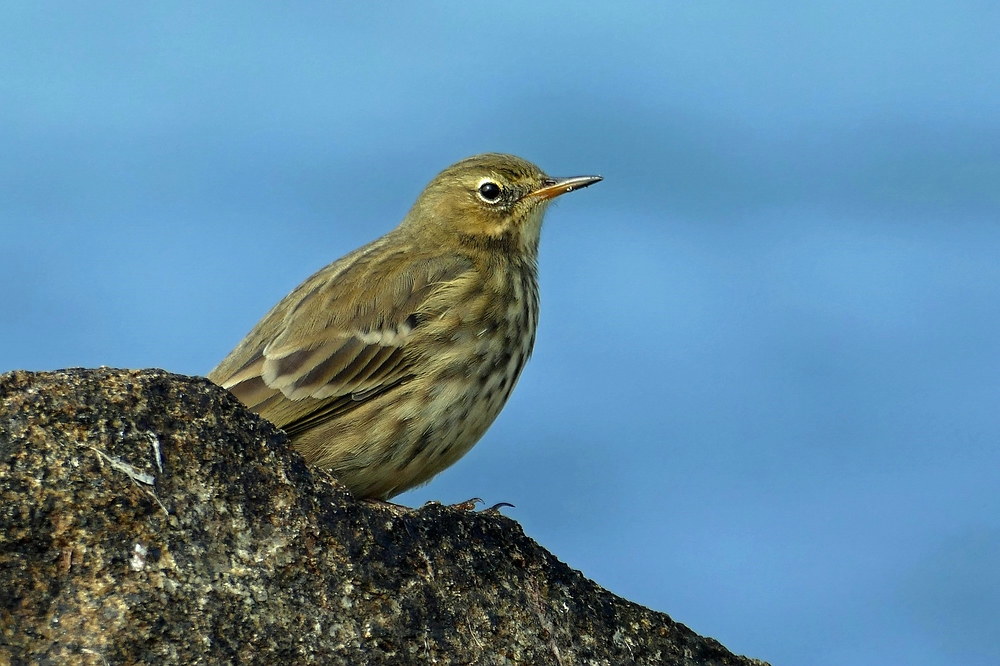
470 505
467 505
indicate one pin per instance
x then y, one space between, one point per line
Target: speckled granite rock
148 518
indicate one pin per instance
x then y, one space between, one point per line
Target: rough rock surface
147 518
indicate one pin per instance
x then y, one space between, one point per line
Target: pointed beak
553 187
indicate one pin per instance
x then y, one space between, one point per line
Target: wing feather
341 338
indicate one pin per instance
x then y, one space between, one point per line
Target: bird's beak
553 187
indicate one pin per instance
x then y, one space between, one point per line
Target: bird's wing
341 338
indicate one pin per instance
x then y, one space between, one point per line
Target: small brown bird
390 363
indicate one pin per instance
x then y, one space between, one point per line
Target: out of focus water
765 393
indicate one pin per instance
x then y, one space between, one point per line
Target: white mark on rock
155 441
138 559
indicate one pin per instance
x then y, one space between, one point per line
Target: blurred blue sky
765 396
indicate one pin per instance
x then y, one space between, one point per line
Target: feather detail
347 346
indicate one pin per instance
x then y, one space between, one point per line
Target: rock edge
147 517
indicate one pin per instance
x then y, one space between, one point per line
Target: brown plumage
390 363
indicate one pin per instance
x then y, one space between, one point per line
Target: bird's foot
470 505
467 505
397 509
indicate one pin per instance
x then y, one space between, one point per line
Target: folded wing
341 338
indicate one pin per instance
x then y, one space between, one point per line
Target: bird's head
490 200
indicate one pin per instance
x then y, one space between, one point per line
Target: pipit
389 364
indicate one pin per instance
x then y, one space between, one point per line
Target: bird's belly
459 410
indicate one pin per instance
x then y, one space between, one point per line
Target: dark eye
489 191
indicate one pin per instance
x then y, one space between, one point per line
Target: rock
148 518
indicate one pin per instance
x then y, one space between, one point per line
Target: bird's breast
470 347
476 350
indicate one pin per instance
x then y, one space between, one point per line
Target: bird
390 363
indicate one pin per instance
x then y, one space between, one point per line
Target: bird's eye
489 192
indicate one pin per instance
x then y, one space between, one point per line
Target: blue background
765 396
